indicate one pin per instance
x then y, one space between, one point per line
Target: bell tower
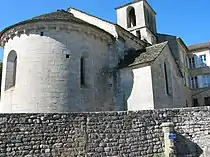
139 18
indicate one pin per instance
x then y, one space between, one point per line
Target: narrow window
207 101
11 70
138 34
67 55
41 33
82 71
192 62
196 82
192 83
195 103
166 79
131 17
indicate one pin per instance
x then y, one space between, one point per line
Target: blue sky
184 18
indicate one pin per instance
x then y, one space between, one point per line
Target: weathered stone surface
54 84
132 134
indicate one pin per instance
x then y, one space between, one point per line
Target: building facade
198 62
71 61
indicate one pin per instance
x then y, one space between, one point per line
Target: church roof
60 15
151 53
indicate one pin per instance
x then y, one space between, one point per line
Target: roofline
182 43
201 46
76 20
135 1
166 34
137 65
178 39
90 15
116 25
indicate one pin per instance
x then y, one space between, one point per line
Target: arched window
83 66
131 17
11 70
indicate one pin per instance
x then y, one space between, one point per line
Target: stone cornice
30 28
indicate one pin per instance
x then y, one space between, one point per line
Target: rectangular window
202 60
194 82
207 101
195 103
205 80
82 71
192 63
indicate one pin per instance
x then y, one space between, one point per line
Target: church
71 61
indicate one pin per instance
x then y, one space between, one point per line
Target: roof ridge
61 15
52 13
91 15
158 44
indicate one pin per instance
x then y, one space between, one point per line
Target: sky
187 19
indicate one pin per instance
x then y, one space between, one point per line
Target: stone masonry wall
49 68
108 134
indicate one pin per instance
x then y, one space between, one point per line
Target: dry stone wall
107 134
